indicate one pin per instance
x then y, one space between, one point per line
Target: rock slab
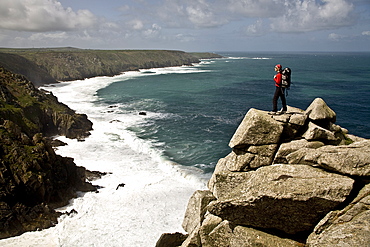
288 181
289 198
257 128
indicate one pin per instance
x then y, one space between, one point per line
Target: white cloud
336 37
49 36
184 38
256 29
283 15
309 15
146 23
136 24
42 16
191 13
124 8
201 14
256 8
153 31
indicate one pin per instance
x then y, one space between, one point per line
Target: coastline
113 136
74 126
45 66
163 186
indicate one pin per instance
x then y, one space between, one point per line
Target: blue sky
188 25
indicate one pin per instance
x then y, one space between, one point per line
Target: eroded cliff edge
33 179
295 179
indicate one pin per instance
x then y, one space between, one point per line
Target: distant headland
49 65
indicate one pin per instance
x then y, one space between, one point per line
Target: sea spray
155 191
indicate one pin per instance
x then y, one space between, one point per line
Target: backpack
286 78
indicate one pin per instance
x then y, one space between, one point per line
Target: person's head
278 67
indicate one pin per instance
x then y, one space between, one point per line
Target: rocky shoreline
295 179
34 180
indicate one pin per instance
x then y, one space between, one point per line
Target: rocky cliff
295 179
65 64
33 179
20 65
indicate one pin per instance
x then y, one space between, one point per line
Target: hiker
279 91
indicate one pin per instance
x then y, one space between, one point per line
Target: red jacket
277 79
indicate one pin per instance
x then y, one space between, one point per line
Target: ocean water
191 114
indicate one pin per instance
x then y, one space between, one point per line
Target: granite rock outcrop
295 179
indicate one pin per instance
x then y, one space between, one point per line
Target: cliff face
290 180
35 111
33 179
20 65
65 64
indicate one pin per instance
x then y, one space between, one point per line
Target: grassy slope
65 64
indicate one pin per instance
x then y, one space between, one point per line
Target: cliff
295 179
65 64
20 65
33 179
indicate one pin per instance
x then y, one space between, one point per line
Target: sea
161 131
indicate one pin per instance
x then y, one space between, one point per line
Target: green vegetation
348 140
34 180
20 65
68 63
32 176
205 55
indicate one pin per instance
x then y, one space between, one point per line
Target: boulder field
295 179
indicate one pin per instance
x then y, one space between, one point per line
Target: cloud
336 37
309 15
153 22
256 8
279 15
256 29
184 38
42 16
49 36
135 24
202 14
153 31
189 14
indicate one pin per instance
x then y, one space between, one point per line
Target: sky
188 25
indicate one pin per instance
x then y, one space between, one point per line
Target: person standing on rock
279 91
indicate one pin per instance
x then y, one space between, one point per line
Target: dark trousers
279 92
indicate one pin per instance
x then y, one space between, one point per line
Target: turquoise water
193 112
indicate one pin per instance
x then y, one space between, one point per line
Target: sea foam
156 190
